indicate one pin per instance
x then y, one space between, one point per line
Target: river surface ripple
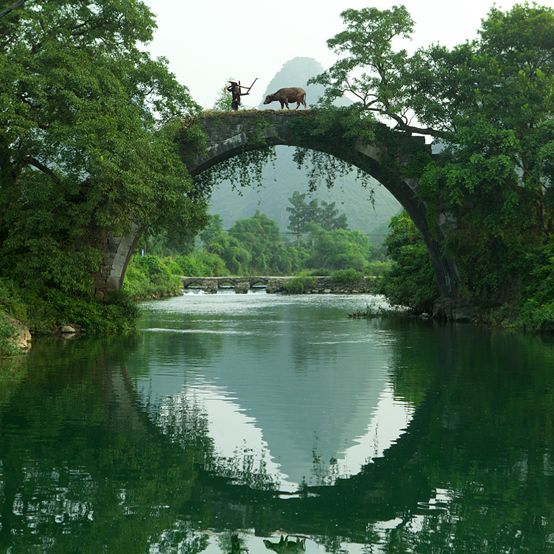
230 420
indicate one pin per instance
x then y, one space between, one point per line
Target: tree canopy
488 105
86 135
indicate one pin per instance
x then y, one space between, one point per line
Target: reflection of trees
12 371
475 466
185 422
182 537
96 480
472 473
244 468
488 443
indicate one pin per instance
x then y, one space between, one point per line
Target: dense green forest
319 242
489 103
87 151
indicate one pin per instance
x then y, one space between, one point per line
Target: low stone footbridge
388 156
272 284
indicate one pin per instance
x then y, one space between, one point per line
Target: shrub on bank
11 307
378 268
152 276
316 272
537 312
11 301
45 310
53 308
7 334
201 263
537 317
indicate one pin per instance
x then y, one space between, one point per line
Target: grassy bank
45 311
150 276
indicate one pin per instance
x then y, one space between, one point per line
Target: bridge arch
386 158
230 134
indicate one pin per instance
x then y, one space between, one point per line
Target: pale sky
207 41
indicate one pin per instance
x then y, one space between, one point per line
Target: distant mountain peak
283 177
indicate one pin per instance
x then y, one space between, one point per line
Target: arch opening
374 158
230 134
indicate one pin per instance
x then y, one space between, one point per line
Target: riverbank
26 313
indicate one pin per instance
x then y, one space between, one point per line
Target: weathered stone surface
23 338
68 330
230 134
241 285
117 253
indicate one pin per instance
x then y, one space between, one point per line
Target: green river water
230 420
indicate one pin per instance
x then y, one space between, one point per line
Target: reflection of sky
290 379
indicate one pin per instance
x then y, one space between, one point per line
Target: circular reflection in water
290 391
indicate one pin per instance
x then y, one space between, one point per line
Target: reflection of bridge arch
383 489
144 481
385 158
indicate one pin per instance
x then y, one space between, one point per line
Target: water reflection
307 403
116 445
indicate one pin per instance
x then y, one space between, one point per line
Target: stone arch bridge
318 284
387 158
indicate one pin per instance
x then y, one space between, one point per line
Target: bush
537 317
7 332
11 301
201 263
54 308
378 269
316 272
299 284
537 313
347 277
152 276
411 280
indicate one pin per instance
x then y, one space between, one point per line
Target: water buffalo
286 95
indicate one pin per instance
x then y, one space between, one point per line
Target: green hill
283 177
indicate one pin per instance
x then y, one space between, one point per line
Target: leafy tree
411 281
490 102
337 248
369 68
302 213
218 241
214 237
259 235
86 138
223 101
330 218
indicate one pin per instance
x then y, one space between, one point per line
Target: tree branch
404 126
11 8
41 167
